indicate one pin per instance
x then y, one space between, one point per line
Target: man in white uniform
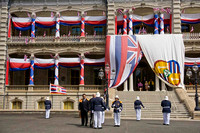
166 105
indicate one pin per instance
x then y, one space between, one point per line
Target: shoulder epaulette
80 100
87 99
120 101
113 101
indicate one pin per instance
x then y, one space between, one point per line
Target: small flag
95 33
163 10
44 34
168 10
55 89
52 14
192 29
156 9
86 53
51 56
85 13
20 34
28 14
139 32
69 33
78 13
144 30
120 11
167 29
26 40
104 14
133 8
63 35
127 10
120 31
183 11
25 57
86 33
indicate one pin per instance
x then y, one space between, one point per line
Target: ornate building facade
77 29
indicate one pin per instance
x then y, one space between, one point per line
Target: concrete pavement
18 123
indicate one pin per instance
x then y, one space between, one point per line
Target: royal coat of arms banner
165 55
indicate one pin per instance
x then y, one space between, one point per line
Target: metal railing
191 36
69 38
97 38
191 87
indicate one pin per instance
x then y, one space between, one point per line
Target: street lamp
101 76
189 74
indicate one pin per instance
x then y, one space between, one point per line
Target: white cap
166 98
117 96
98 94
137 98
47 98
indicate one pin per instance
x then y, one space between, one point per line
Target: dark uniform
137 106
47 104
117 105
91 113
166 105
84 108
97 105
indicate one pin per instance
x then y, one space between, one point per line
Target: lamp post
101 76
189 74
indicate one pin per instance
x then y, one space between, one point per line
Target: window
68 105
41 105
97 81
76 31
19 77
75 76
99 30
51 75
185 27
17 105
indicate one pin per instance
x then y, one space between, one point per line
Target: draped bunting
70 20
190 61
22 23
19 64
120 20
148 19
190 18
95 20
166 19
44 63
45 22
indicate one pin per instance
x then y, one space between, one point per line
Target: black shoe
164 124
95 128
118 125
115 125
100 128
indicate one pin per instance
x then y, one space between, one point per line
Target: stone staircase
151 101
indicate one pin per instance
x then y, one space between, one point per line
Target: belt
137 106
98 105
166 107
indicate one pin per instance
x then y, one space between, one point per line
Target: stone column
157 83
163 88
126 86
176 16
7 70
162 22
110 18
33 27
82 70
82 25
131 83
57 25
156 22
125 25
31 82
56 80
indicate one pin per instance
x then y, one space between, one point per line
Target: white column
125 86
130 28
131 83
163 86
156 83
56 70
162 23
58 25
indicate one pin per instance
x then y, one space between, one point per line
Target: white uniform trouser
97 119
47 113
166 118
138 114
117 118
103 117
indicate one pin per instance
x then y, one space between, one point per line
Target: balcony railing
45 88
191 87
191 36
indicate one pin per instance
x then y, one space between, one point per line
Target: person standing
97 105
83 109
91 113
117 105
140 86
137 106
151 84
166 105
47 104
103 112
146 86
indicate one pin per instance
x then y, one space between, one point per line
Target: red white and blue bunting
190 18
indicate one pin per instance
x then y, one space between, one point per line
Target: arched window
68 105
41 105
16 105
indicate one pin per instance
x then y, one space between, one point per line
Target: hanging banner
70 20
19 64
123 54
190 18
45 22
148 20
69 62
95 20
94 62
22 24
44 63
190 61
165 55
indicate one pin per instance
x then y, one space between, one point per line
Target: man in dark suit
47 103
91 113
83 109
166 105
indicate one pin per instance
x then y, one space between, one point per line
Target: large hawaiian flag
123 54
